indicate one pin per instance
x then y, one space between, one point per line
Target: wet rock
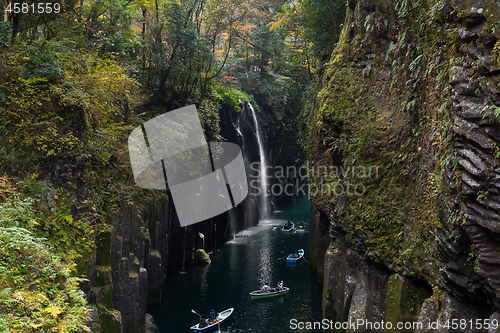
103 248
110 320
357 289
319 226
155 278
494 319
201 257
456 310
472 157
469 167
494 133
93 322
470 110
429 314
128 274
473 183
474 17
467 235
150 324
470 34
490 65
472 132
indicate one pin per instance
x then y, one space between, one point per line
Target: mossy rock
107 296
404 300
111 320
103 245
102 276
394 288
201 257
83 262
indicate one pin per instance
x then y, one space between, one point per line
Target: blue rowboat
221 318
288 228
294 258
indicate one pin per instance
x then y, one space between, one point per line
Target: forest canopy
179 50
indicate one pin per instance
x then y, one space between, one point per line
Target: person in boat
266 287
203 322
295 254
213 316
280 285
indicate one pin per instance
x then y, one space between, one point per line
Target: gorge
391 109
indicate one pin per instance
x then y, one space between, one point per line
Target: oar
283 257
196 313
218 325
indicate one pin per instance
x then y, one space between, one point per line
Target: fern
366 20
4 294
417 62
391 47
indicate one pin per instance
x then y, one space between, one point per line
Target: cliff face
404 163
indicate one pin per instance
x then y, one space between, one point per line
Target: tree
189 43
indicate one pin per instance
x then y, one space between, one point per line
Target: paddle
283 257
196 313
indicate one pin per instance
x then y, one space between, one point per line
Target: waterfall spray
263 178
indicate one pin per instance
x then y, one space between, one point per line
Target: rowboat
257 294
293 258
290 228
221 318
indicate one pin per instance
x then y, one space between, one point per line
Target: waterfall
263 178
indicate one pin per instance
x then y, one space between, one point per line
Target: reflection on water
245 264
265 270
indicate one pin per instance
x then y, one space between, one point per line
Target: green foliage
186 46
42 61
495 109
21 242
322 22
316 22
405 7
5 33
34 281
55 99
38 249
209 111
18 212
232 96
108 26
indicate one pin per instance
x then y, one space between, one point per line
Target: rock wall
412 92
471 259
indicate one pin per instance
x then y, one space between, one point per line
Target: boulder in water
201 257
